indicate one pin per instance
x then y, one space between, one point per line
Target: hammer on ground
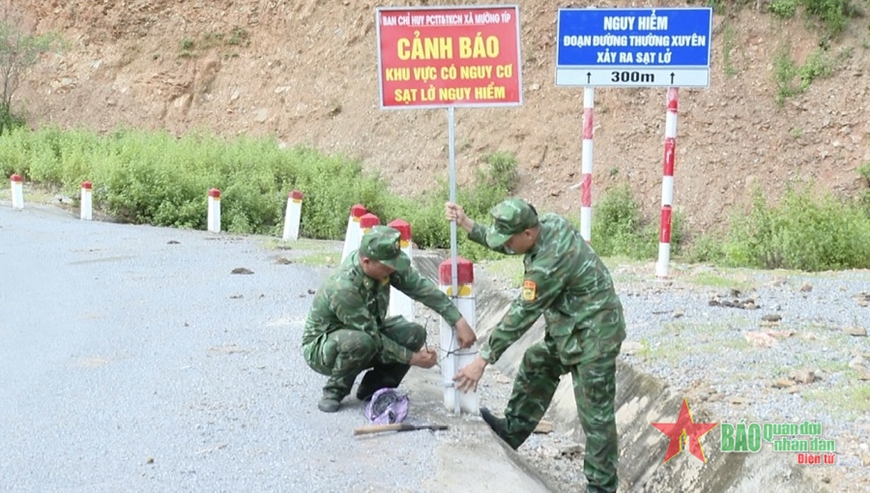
367 430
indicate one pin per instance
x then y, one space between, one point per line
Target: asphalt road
133 359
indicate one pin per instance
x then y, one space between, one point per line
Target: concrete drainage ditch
641 400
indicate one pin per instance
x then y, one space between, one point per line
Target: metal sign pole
454 266
453 248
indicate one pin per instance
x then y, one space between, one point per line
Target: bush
864 170
618 227
784 8
155 178
803 232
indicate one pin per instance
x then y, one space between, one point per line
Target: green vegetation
792 79
834 15
155 178
804 231
159 179
728 43
619 229
18 52
237 37
864 171
850 401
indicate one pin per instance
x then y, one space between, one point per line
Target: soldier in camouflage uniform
347 330
567 283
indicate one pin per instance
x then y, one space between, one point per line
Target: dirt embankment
306 72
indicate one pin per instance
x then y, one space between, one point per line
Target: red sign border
516 9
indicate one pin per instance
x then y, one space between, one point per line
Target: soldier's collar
542 228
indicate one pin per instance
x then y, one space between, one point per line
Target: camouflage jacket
566 282
349 299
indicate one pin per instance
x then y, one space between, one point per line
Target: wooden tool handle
366 430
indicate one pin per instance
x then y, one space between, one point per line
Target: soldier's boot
337 386
382 375
499 427
329 404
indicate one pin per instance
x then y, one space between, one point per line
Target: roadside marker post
400 303
292 216
86 213
213 218
453 358
352 233
17 191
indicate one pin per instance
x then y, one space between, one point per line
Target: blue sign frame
641 41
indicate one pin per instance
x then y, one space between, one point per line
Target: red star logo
685 429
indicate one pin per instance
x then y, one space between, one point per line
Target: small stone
631 347
501 378
242 270
793 390
803 376
311 291
856 331
544 427
759 339
678 313
782 383
771 317
572 449
806 287
149 460
549 452
738 401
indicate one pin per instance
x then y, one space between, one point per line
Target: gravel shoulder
740 345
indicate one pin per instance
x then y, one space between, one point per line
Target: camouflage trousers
345 353
594 391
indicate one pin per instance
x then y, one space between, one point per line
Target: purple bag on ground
387 406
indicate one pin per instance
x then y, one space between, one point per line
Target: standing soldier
347 330
567 283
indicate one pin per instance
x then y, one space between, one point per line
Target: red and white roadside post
87 203
400 303
668 183
292 216
17 192
214 210
366 223
586 165
453 358
353 234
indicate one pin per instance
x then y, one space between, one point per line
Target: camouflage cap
509 218
382 243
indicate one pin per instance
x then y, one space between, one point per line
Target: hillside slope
306 72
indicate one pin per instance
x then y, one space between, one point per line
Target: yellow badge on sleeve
530 290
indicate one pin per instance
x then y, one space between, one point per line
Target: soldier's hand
454 212
465 334
468 376
424 358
